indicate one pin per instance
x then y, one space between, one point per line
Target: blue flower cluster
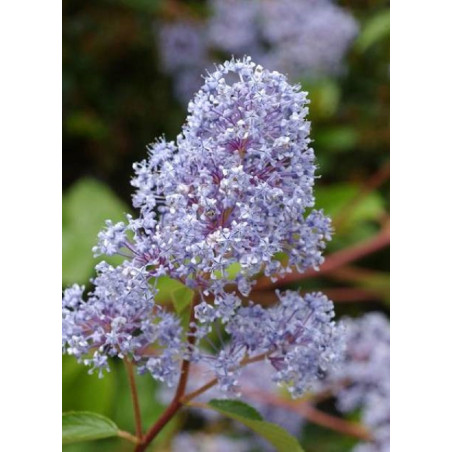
297 336
234 189
296 37
120 318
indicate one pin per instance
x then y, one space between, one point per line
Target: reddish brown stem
337 294
356 275
332 262
187 398
134 392
334 423
176 403
350 294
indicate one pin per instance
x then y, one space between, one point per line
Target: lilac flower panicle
234 190
236 186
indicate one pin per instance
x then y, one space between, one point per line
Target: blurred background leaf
86 206
334 198
376 28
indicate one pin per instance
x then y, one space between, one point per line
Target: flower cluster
236 187
366 368
361 382
120 318
297 336
235 190
297 37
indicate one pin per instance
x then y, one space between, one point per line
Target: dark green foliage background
116 100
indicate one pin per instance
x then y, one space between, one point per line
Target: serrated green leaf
86 426
86 206
281 440
375 29
181 298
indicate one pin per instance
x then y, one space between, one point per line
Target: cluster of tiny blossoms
236 188
297 337
295 37
120 319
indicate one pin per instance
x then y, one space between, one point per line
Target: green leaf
86 426
181 298
86 125
166 286
84 392
322 439
236 407
86 206
231 272
337 138
281 440
334 198
375 29
378 282
325 97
